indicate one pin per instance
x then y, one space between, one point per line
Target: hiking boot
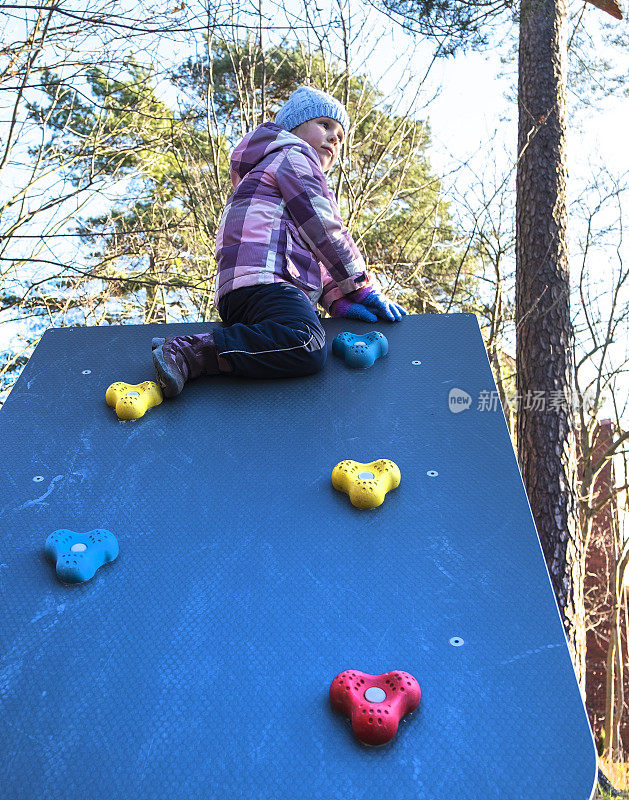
183 358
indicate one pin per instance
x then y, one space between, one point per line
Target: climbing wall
198 663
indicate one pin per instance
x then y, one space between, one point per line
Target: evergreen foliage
456 24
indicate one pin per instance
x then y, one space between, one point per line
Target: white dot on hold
360 342
133 394
366 476
375 694
78 547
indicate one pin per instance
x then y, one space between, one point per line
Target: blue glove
378 303
344 308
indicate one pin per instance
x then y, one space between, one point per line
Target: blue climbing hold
360 351
77 556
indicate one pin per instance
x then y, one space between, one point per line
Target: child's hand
383 307
371 303
344 308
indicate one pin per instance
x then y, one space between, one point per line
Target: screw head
375 694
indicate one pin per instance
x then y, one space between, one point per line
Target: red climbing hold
375 703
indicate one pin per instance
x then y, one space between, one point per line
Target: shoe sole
170 386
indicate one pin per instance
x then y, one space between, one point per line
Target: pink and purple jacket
282 223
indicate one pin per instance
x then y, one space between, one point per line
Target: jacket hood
262 141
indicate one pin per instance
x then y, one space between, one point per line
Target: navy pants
270 331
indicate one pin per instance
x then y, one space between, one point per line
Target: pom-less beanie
307 103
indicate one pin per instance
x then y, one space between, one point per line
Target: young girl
281 248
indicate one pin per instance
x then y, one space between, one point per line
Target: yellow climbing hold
366 484
132 401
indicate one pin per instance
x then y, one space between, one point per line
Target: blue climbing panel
197 664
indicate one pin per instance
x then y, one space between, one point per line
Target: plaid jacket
282 223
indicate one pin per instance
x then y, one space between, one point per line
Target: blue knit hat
307 103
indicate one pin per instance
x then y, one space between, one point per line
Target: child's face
325 135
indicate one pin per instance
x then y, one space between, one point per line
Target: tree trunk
615 683
546 437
